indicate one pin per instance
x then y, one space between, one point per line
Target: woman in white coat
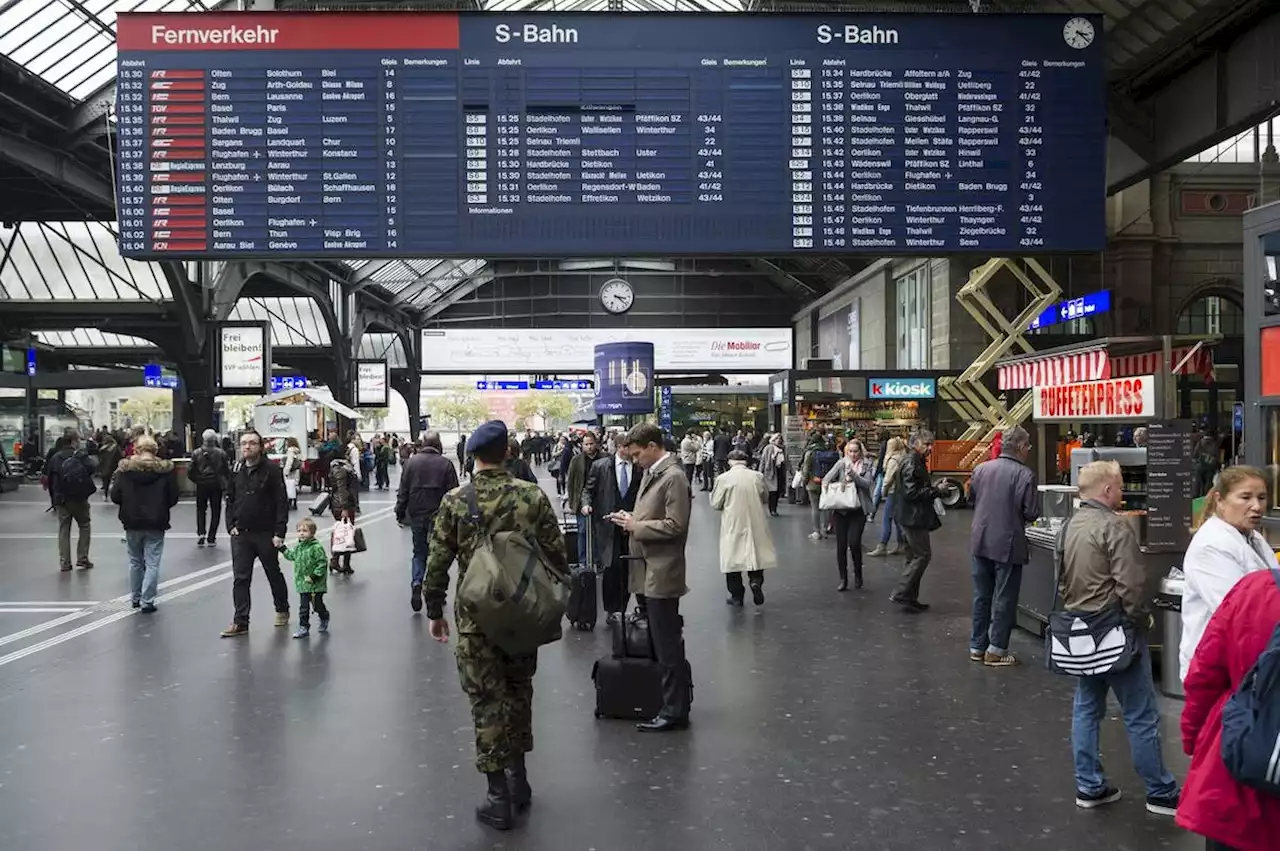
1224 550
745 543
291 465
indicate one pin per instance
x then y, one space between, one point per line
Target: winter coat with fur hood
146 488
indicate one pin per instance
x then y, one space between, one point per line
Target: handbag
359 540
797 481
343 537
839 496
1091 644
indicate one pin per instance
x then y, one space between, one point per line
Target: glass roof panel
73 260
92 338
294 321
380 345
71 44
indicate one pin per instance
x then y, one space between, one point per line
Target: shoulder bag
1087 644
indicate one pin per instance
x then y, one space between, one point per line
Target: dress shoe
496 809
415 598
857 580
663 725
757 594
518 783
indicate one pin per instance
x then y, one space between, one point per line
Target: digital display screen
369 134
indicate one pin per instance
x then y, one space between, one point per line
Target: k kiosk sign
902 388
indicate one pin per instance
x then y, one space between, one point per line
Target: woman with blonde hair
1225 549
894 454
855 473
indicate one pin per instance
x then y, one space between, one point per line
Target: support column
409 383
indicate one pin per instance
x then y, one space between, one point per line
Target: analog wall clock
616 296
1078 33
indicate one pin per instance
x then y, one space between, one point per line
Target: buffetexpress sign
901 388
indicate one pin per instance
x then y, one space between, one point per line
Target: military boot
496 809
518 782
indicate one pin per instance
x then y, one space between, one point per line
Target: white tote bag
839 496
344 538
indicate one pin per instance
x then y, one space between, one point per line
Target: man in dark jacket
145 489
612 484
1004 499
516 465
721 446
209 471
425 479
70 476
916 517
257 520
109 454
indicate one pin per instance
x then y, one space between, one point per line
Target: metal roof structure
57 65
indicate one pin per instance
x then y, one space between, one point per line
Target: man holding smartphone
659 528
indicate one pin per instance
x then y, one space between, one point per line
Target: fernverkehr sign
533 350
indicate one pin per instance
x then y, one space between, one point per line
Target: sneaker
757 594
1163 805
212 542
200 541
282 618
235 629
733 601
814 536
303 632
136 604
999 660
415 598
324 626
977 655
148 609
85 565
66 568
880 550
1108 795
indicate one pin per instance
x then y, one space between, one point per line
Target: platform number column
132 119
1030 140
391 121
801 160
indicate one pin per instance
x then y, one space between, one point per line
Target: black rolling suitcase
627 688
581 610
320 504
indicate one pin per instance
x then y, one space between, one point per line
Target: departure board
391 134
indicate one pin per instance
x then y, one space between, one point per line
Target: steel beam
457 294
55 167
91 115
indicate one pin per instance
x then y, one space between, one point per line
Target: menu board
1170 484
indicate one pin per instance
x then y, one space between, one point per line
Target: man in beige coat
659 527
745 543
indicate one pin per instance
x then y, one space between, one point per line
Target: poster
244 358
371 383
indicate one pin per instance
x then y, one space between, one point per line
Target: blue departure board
372 134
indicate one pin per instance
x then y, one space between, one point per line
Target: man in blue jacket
1004 497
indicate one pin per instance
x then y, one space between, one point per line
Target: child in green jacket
310 575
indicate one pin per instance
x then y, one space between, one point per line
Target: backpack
516 598
75 482
823 461
205 467
1251 722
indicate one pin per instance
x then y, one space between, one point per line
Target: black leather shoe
518 783
663 725
843 586
496 809
757 594
857 581
415 598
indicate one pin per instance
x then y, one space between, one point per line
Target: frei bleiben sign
901 388
243 358
371 384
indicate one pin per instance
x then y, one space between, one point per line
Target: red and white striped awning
1095 365
1152 363
1053 370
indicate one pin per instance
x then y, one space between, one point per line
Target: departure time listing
352 139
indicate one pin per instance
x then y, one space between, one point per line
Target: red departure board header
285 31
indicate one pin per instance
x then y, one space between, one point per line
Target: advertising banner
244 358
372 380
1113 399
520 350
277 422
624 378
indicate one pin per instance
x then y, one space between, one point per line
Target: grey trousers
913 571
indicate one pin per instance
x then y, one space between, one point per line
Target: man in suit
612 483
659 528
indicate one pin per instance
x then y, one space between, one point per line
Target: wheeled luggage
582 610
320 504
627 688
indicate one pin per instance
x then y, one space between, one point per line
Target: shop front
707 408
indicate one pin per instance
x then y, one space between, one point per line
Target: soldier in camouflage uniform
499 685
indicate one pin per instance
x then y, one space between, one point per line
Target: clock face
616 296
1078 33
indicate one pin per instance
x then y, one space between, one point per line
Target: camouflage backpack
516 598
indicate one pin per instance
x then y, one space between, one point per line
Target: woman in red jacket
1230 816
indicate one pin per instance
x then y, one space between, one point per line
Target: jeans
995 604
79 512
887 523
309 601
245 547
421 544
913 572
849 527
1136 693
208 501
817 515
145 547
